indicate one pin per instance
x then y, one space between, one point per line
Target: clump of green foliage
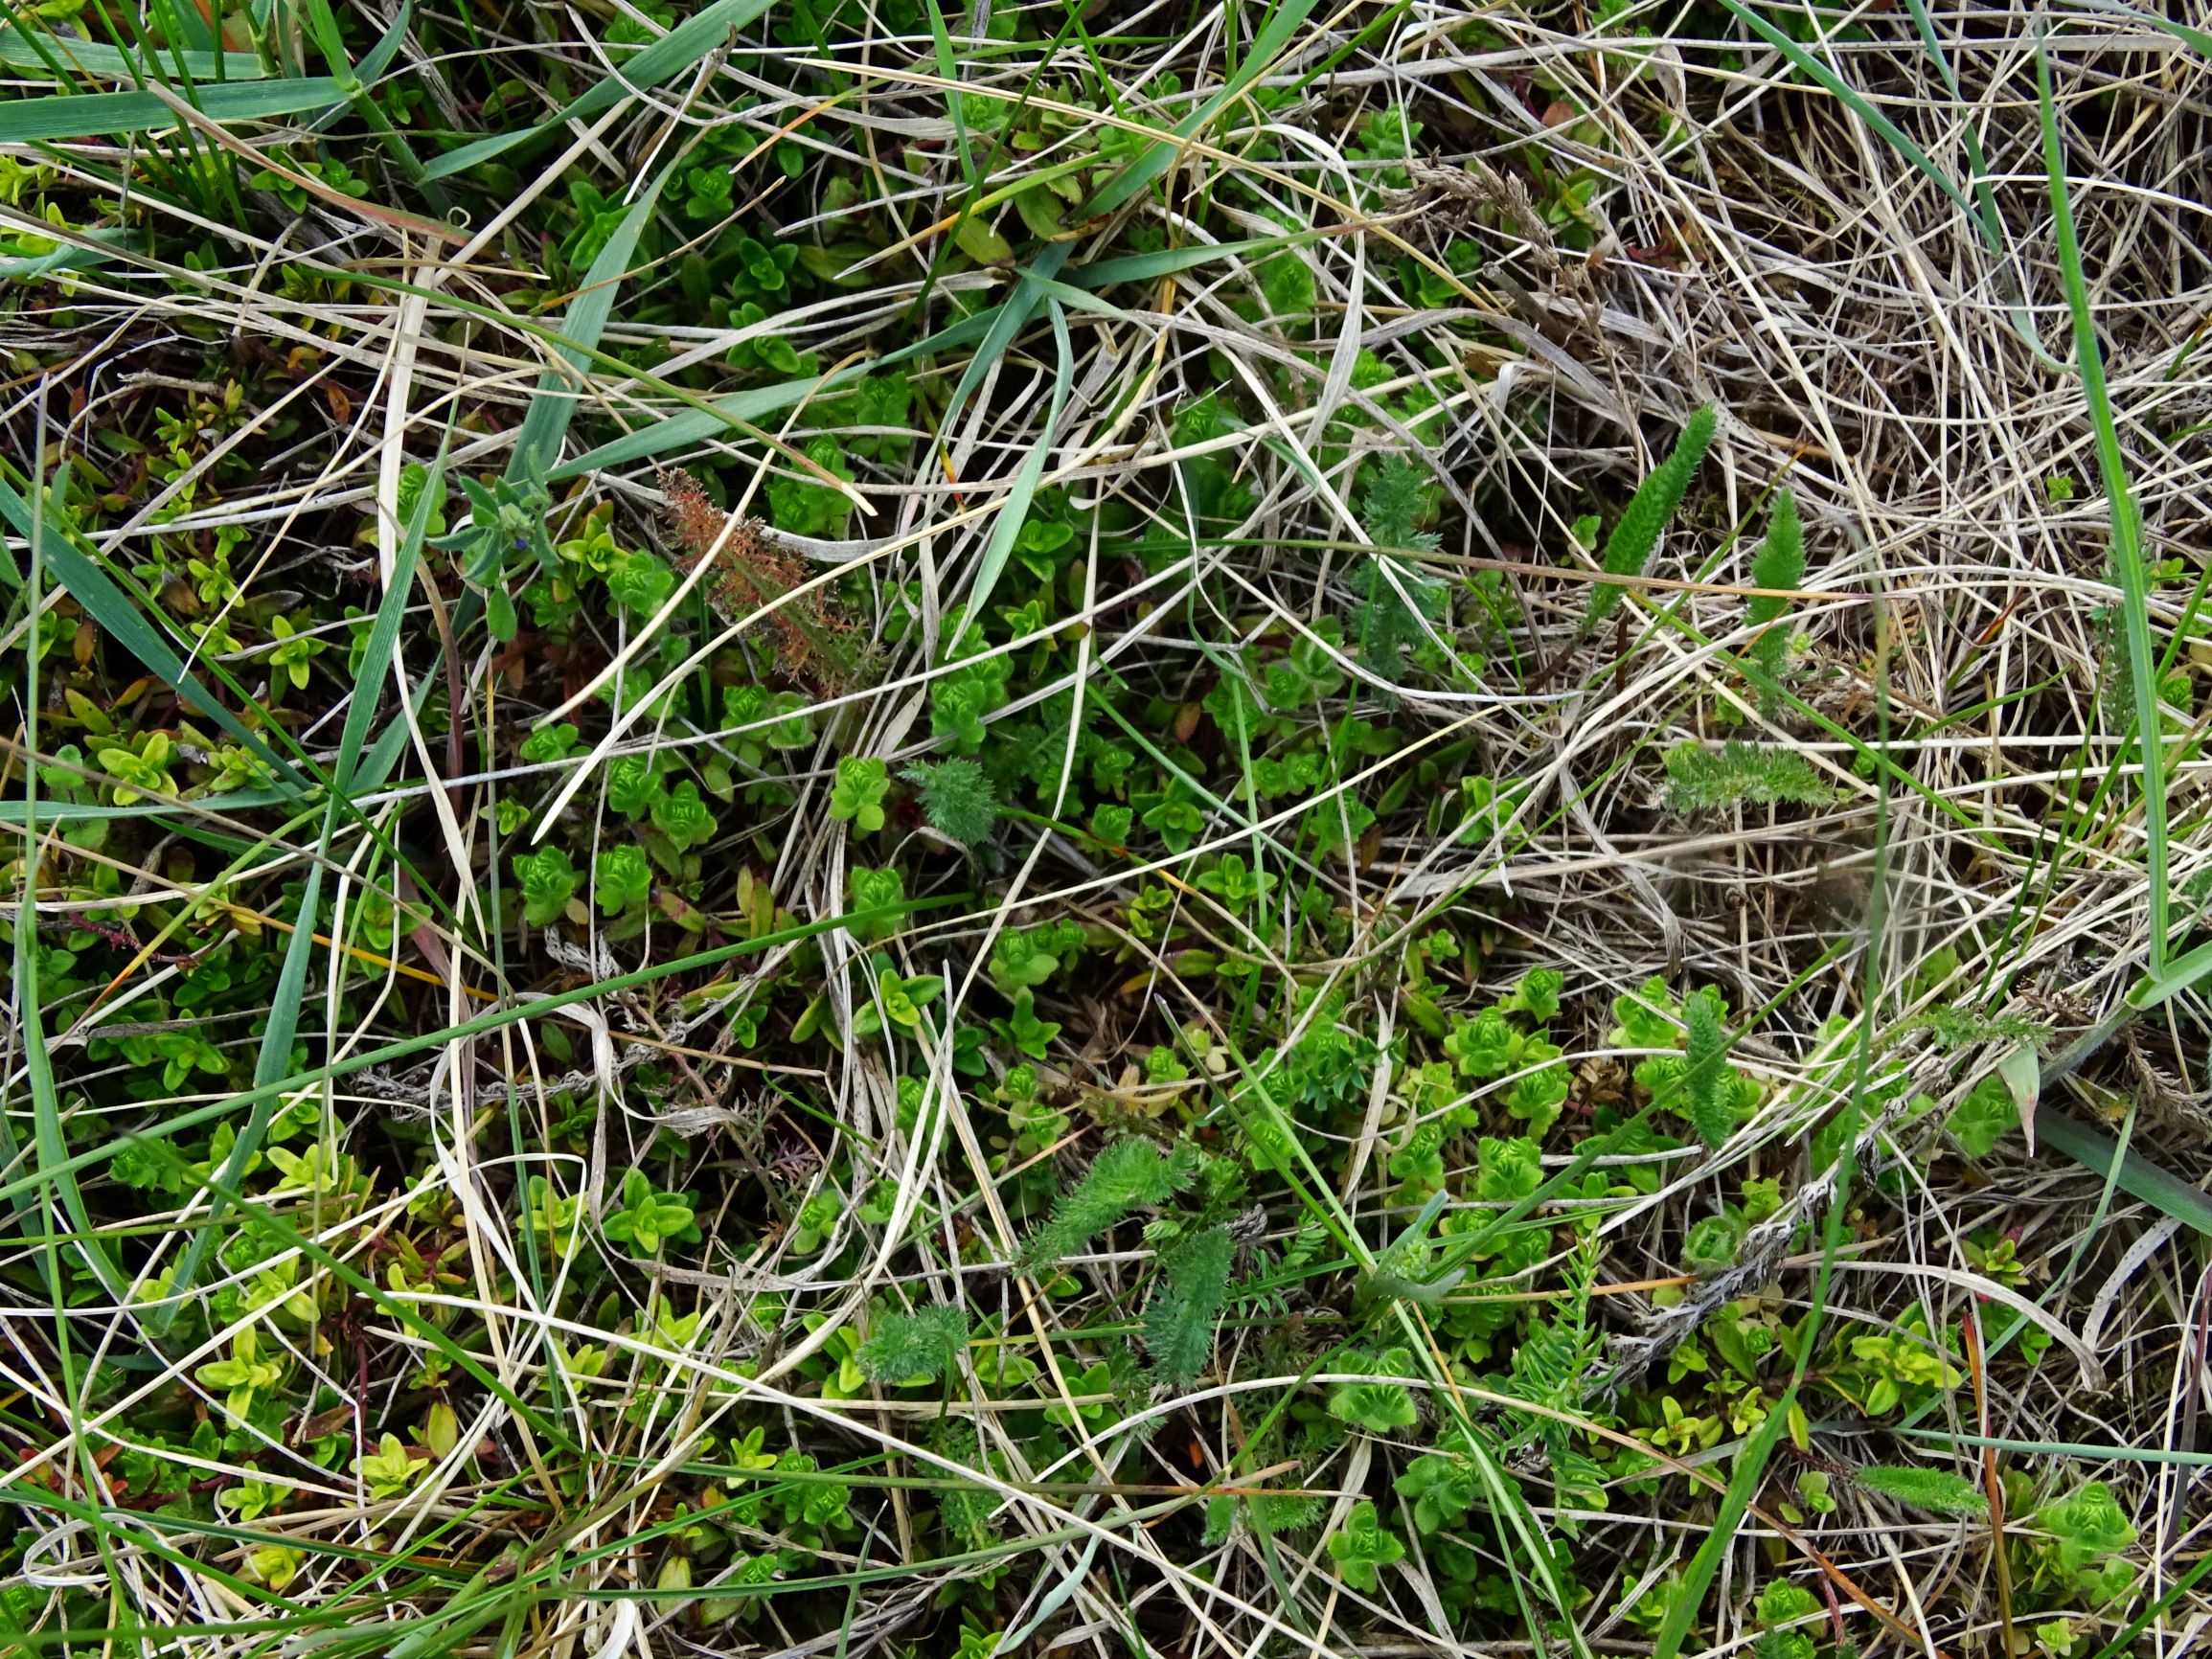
813 907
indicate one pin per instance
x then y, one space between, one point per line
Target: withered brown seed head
753 570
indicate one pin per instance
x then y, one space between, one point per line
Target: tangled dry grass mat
1174 831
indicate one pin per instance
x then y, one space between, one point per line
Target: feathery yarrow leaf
1703 780
957 799
1628 549
1128 1176
1398 497
1179 1318
1936 1490
1780 563
1704 1100
914 1347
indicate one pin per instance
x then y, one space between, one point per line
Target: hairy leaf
1936 1490
1703 780
957 798
1628 549
1128 1176
1179 1318
914 1347
1398 498
1705 1101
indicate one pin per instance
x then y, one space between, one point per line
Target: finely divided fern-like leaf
927 1343
1397 499
1392 604
1394 601
957 798
1128 1176
1553 1361
1703 780
1935 1491
1179 1318
1960 1028
963 1507
1628 549
1781 563
1706 1069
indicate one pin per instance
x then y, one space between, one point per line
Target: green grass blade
2134 1173
696 426
1987 220
286 1237
1887 129
108 605
955 103
322 26
104 62
384 632
496 1019
679 50
1266 46
123 619
53 1166
60 117
1007 321
1013 512
2064 1448
1751 1462
1169 262
112 241
2196 40
2127 522
553 406
284 1022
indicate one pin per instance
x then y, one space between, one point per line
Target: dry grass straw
1771 255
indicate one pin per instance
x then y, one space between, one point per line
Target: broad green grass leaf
1259 59
94 57
553 406
1170 262
74 258
59 117
677 51
2126 545
1009 320
384 632
2137 1174
2022 1073
1013 512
